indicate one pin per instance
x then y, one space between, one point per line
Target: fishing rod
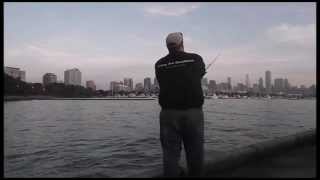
214 60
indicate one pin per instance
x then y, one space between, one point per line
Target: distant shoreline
25 98
22 98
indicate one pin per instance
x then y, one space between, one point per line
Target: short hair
174 47
174 41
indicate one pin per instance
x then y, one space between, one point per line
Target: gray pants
177 126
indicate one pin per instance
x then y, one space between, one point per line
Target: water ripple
117 138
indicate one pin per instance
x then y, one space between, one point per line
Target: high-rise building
247 81
260 84
240 87
255 88
278 84
229 83
90 84
313 90
15 73
114 87
223 86
212 86
72 77
129 83
286 84
155 86
139 87
147 84
268 82
49 78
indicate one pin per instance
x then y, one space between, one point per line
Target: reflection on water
119 138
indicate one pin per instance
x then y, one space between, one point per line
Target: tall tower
16 73
268 82
147 84
229 83
72 77
90 84
129 83
49 78
212 86
260 84
279 84
286 84
247 81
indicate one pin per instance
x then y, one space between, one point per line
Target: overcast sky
111 41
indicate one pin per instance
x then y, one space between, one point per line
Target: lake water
97 138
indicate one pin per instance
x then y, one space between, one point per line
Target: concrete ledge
216 162
24 98
252 152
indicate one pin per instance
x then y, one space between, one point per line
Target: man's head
175 42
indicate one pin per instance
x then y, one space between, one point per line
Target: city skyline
131 85
251 37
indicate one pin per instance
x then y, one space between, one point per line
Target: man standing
181 98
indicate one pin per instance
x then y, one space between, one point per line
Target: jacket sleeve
156 72
201 65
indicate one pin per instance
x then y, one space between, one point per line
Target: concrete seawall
25 98
215 163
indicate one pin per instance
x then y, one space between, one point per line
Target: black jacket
179 75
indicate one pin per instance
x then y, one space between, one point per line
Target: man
181 98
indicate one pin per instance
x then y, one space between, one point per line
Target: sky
111 41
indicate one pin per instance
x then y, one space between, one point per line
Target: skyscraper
139 87
91 85
260 84
147 84
116 87
129 83
72 77
268 82
113 87
255 88
212 86
223 86
155 86
278 84
229 83
240 87
247 81
286 84
15 73
49 78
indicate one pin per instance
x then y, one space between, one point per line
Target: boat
223 97
215 96
268 97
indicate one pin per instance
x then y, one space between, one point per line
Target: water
117 138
